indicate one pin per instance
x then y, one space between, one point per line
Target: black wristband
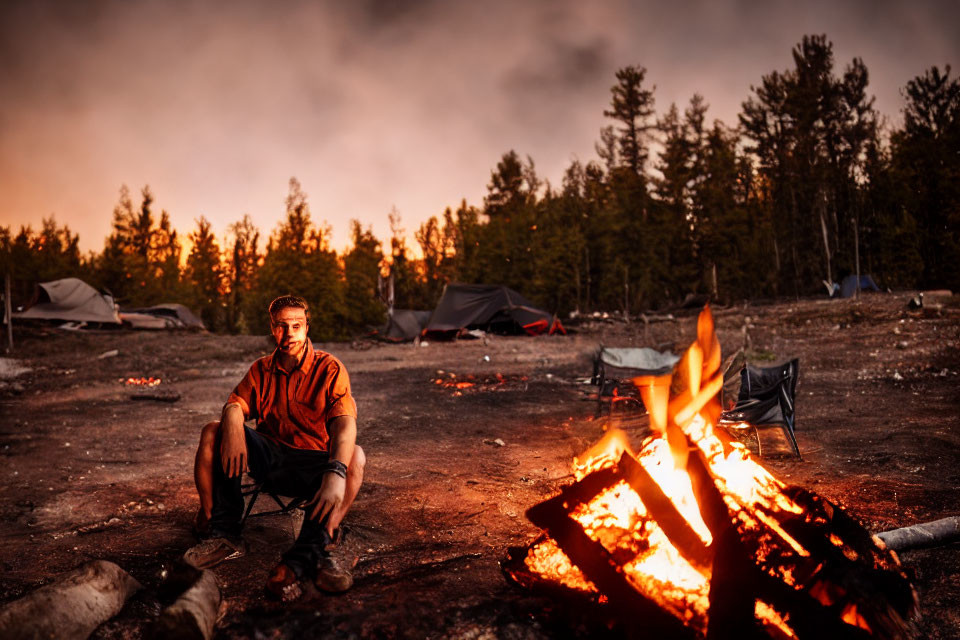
337 467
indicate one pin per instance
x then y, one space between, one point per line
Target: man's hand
329 497
233 450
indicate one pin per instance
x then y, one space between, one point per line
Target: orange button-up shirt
294 407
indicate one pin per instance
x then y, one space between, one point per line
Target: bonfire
690 536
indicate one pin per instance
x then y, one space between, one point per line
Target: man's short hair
287 301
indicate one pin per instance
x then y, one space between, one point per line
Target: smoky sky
375 104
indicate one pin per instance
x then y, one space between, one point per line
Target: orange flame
683 407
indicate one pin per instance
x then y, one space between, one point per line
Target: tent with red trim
492 308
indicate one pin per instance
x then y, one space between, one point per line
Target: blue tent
849 286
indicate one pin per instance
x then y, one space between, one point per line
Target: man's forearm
232 417
343 438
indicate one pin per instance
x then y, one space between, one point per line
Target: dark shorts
288 471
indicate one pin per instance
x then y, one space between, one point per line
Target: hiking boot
212 551
333 575
283 584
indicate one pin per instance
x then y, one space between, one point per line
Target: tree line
809 186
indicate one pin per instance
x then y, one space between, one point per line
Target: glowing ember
142 382
495 382
669 563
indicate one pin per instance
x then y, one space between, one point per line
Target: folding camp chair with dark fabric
766 398
613 365
285 498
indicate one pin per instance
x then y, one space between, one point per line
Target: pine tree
204 276
889 234
926 159
632 108
508 247
635 259
466 233
436 251
408 291
140 263
361 267
299 261
809 131
241 269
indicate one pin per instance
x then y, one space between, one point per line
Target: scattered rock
10 368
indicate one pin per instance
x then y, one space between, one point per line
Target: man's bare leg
203 471
354 480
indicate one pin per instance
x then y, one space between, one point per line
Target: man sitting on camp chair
304 444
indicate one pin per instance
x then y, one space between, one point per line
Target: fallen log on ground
194 614
72 607
925 534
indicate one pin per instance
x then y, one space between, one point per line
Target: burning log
676 528
598 565
925 534
694 527
194 614
72 607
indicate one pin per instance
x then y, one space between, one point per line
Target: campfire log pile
690 537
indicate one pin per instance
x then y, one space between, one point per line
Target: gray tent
404 325
175 316
493 308
71 300
147 321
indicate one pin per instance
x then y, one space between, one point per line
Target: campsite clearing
91 474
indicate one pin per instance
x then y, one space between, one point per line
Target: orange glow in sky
375 104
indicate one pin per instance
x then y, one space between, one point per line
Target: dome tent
493 308
71 300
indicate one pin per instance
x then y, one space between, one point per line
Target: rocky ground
89 472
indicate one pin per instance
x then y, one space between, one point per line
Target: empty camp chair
613 365
766 399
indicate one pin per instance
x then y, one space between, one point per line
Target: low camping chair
766 398
285 504
614 365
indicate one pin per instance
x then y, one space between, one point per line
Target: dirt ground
90 473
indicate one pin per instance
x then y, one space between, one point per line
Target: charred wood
807 615
579 492
712 508
851 559
662 509
194 614
732 592
600 568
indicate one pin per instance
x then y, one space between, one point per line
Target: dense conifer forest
810 185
